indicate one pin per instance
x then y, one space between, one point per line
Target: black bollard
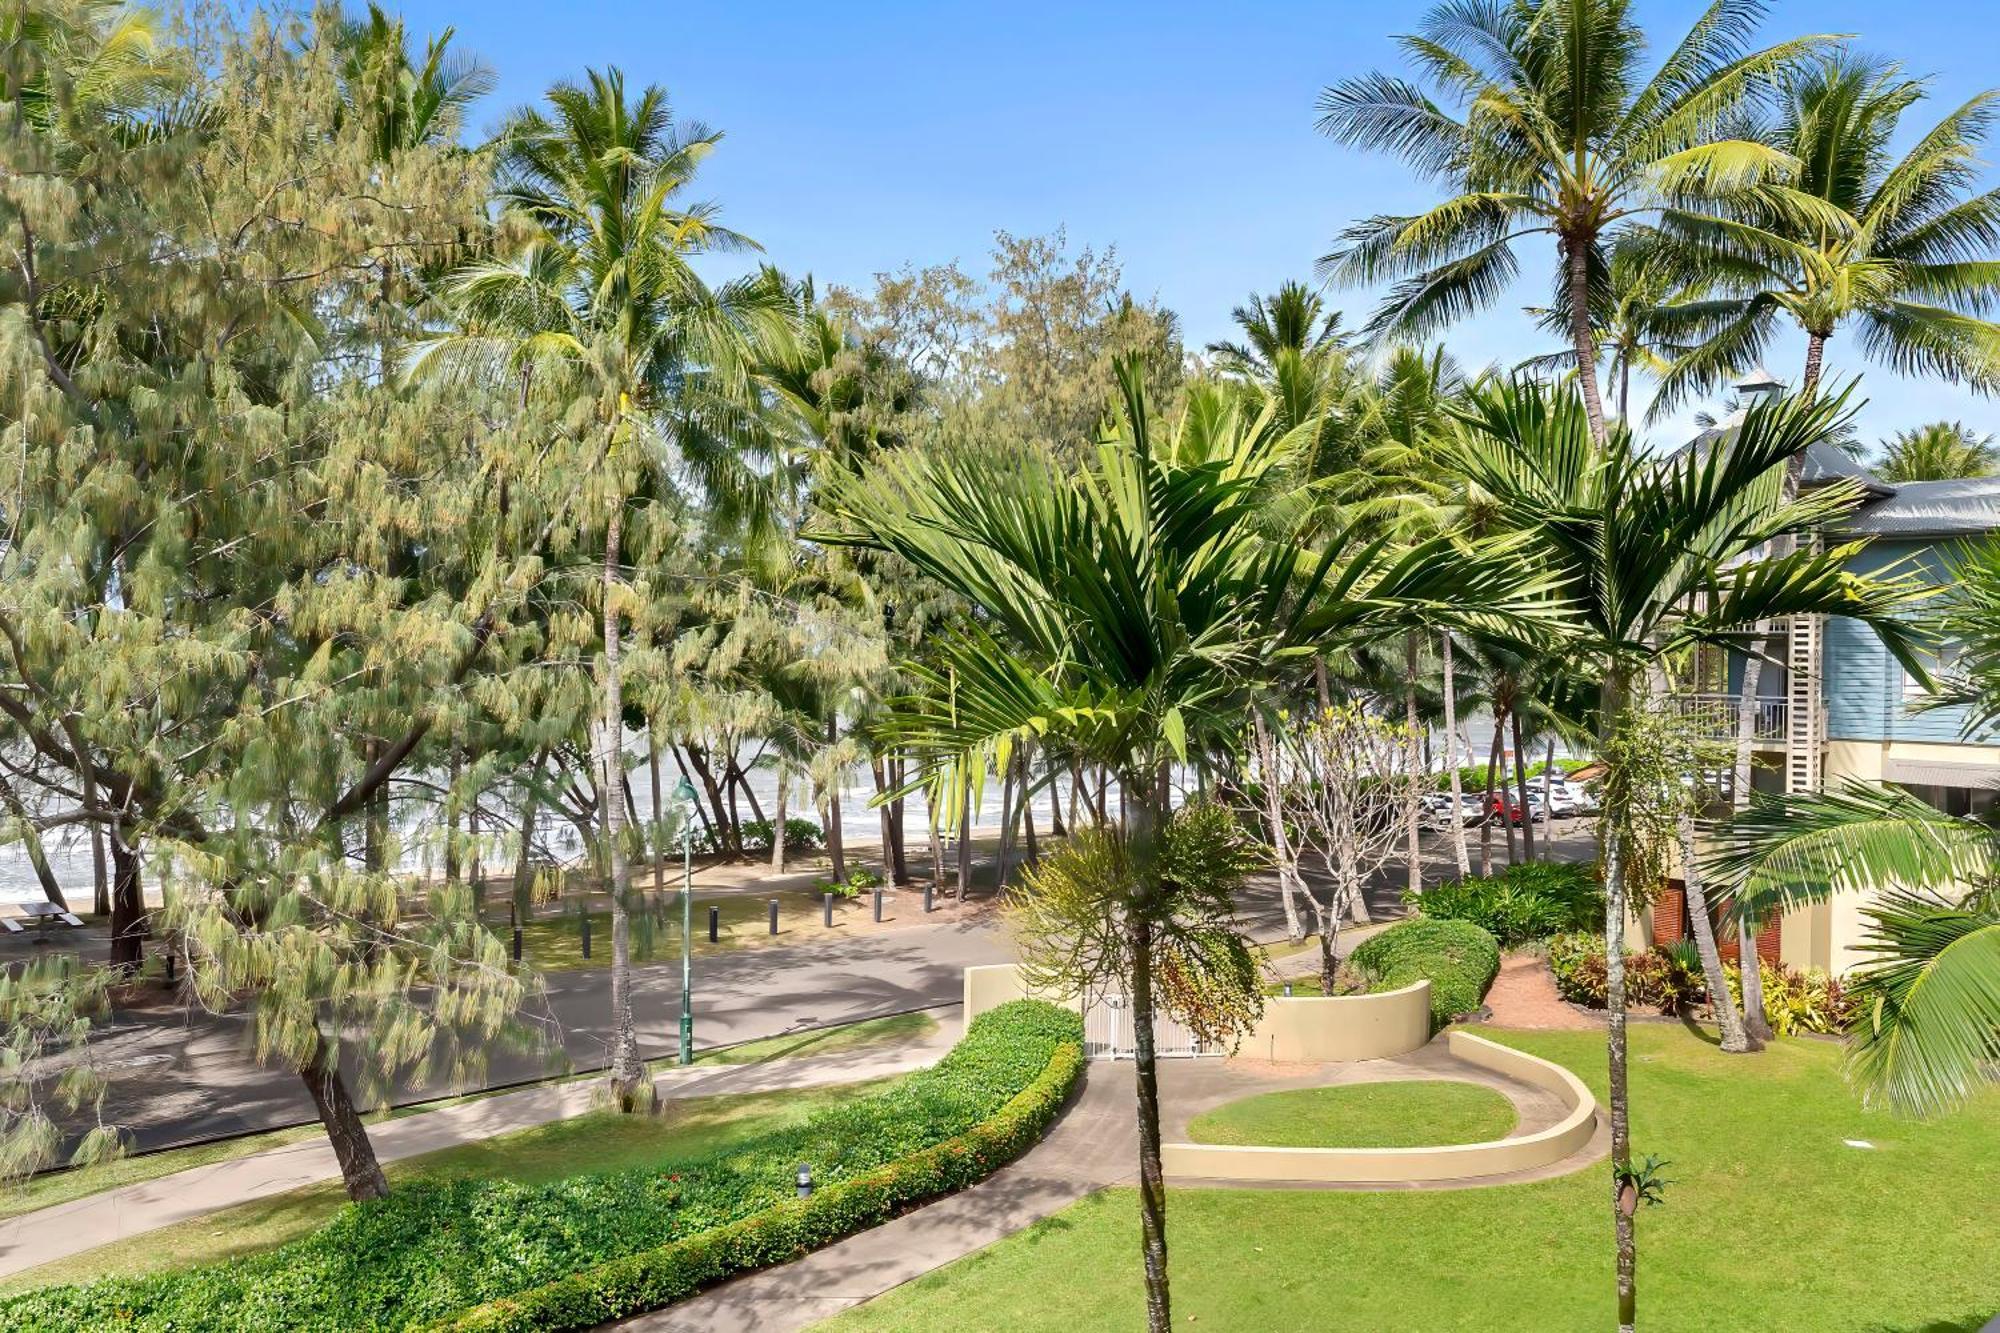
774 916
517 944
928 890
585 919
878 906
714 924
828 910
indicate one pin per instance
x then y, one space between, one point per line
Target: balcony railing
1719 715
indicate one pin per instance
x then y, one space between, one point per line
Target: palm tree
1128 611
1926 1028
1293 356
408 103
604 309
1657 557
1940 451
1898 247
1561 134
1294 320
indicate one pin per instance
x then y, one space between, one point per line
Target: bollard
928 889
714 924
517 944
828 909
585 919
774 916
878 907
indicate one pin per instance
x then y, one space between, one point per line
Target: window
1945 664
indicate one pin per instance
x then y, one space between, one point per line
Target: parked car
1507 805
1556 791
1437 809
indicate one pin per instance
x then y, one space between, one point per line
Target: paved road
179 1077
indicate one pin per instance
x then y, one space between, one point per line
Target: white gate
1109 1033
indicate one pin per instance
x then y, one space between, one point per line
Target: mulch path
1524 996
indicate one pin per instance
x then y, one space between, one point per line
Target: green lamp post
684 802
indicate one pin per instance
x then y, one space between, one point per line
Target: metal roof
1932 509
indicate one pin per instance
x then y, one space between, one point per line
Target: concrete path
1093 1145
99 1219
1524 995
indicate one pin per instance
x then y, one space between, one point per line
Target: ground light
684 801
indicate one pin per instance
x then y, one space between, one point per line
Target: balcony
1718 716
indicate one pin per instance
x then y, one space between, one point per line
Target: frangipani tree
1657 556
1128 610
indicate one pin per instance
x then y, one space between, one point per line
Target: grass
1770 1222
601 1140
1360 1115
895 1030
555 943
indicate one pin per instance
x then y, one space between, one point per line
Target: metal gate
1109 1033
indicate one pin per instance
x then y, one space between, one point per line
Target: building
1832 704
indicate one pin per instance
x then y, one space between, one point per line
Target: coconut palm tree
1659 556
1128 611
1553 128
1294 319
1899 248
1940 451
408 103
603 309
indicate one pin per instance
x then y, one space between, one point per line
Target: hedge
492 1254
1458 958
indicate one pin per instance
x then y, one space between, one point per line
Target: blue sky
866 135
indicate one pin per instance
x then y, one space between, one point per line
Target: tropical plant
603 308
1561 134
1656 556
1940 451
1899 247
1925 1030
1129 608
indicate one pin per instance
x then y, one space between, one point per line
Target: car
1437 809
1507 805
1556 791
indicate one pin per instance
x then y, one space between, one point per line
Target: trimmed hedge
1530 901
489 1254
1458 958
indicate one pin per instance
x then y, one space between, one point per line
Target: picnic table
44 916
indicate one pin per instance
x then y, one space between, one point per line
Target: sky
864 136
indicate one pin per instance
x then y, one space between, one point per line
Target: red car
1507 805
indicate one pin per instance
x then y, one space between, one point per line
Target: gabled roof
1961 508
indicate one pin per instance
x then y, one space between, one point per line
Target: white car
1437 809
1557 792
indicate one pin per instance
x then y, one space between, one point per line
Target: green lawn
1771 1222
687 1128
1360 1115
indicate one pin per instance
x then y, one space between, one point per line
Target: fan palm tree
1940 451
1561 133
1898 247
603 308
1127 612
1657 557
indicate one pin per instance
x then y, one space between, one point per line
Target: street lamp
684 802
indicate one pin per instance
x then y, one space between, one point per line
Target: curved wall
1383 1166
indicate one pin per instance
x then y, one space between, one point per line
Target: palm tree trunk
659 838
835 847
1521 790
1150 811
1451 759
1615 819
881 778
899 855
1625 389
1486 821
937 844
1815 359
1727 1021
1756 1028
1413 847
346 1133
778 820
1576 258
627 1072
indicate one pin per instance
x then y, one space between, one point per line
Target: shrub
1524 902
1670 978
1577 961
1795 1001
1459 958
572 1253
801 835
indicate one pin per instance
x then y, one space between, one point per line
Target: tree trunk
701 811
31 838
1320 686
452 868
1274 818
1028 810
100 880
1521 790
1548 801
1458 846
937 844
1007 799
1616 818
1413 845
1486 808
1815 358
1728 1023
659 838
965 842
836 849
359 1170
875 771
728 839
778 821
1152 1175
128 905
1056 826
899 855
1576 256
627 1073
524 859
1756 1028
